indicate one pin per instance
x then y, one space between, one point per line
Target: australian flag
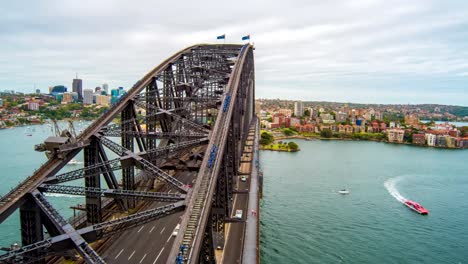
223 36
246 37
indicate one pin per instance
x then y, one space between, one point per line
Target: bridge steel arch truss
202 97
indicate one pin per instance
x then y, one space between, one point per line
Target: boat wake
390 185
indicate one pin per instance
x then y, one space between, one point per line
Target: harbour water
305 220
18 160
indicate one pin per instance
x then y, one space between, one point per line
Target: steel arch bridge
198 103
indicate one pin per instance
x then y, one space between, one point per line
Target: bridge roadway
149 243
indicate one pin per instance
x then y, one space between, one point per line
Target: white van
176 230
243 178
238 214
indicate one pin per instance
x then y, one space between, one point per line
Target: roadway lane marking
169 238
158 255
169 191
143 258
151 229
131 255
140 229
119 253
162 230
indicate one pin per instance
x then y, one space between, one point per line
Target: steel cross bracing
119 193
238 112
177 107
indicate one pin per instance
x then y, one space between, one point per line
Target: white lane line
131 255
143 258
151 229
158 256
140 229
193 180
169 191
119 253
169 238
162 230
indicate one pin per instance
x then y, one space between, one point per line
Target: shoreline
350 139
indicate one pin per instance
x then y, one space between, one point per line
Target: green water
305 220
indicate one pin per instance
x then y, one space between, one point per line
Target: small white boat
343 191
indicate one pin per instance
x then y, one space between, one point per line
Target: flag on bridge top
223 36
246 37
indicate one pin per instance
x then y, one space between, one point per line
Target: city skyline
360 51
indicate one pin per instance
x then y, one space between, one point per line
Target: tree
266 138
288 132
270 119
326 133
307 112
293 146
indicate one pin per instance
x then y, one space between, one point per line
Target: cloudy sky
348 51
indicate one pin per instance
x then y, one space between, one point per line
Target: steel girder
89 234
185 96
83 248
195 221
115 193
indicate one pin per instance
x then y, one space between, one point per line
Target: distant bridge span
190 115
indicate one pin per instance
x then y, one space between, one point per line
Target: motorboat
343 191
416 207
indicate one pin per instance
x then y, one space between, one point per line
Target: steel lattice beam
115 193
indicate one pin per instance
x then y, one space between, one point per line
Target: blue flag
221 37
246 37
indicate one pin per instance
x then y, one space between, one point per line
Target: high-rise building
78 88
105 87
88 96
298 109
58 89
38 91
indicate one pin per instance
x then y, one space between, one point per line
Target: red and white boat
416 207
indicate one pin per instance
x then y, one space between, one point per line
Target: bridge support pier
93 203
31 226
128 173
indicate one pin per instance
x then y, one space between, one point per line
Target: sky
366 51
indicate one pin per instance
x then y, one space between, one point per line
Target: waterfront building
298 109
285 112
327 118
419 139
88 96
78 88
294 121
279 119
441 141
450 142
395 135
431 139
341 116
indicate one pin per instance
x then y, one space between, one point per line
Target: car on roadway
176 230
238 214
243 178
